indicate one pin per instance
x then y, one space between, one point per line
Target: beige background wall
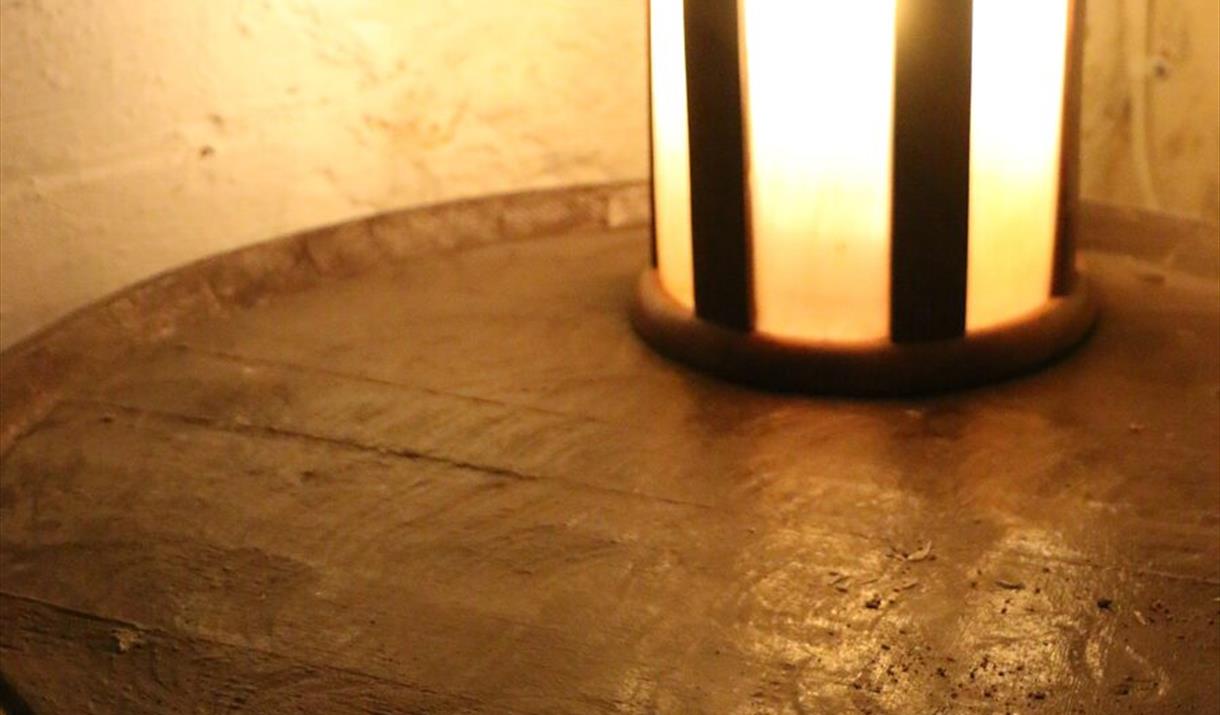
1159 59
137 135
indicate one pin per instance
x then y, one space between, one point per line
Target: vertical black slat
719 217
1064 276
931 199
652 153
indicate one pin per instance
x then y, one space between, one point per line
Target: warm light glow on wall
820 165
871 187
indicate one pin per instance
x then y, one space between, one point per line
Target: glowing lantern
871 196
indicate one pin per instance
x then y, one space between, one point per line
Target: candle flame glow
819 117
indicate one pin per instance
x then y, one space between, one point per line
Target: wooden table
459 483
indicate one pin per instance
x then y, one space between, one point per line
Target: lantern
870 196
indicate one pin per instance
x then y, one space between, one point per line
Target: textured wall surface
137 135
1152 105
141 134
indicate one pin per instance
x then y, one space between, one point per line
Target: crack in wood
149 633
248 361
384 451
492 471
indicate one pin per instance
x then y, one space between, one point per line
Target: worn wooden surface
39 371
460 484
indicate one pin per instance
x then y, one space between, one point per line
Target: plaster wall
138 135
1151 134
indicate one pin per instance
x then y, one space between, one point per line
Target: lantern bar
720 227
870 197
930 234
1064 279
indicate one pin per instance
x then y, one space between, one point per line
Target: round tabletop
460 483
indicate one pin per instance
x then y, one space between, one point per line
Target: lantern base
878 368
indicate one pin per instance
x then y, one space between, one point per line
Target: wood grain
402 492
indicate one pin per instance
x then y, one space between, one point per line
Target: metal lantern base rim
879 369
